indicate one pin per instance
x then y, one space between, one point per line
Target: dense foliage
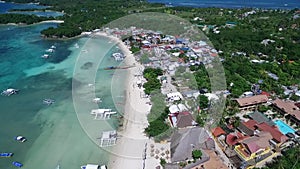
196 154
20 18
203 101
289 159
152 83
88 15
159 112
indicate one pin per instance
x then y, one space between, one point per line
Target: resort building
182 119
288 109
184 141
252 149
250 103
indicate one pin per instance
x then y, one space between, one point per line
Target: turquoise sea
57 134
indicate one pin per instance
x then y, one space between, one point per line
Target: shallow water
55 134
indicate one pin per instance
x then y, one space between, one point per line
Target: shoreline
24 24
131 145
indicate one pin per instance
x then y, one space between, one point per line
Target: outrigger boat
9 92
93 166
17 164
45 56
6 154
20 139
48 101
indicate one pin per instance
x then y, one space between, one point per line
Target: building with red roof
216 132
288 109
182 119
277 136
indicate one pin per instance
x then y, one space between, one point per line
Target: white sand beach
130 148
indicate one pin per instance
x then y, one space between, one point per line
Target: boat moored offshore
17 164
6 154
20 139
48 101
9 92
93 166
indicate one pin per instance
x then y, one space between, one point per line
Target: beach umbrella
156 151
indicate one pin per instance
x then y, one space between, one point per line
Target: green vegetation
289 159
203 101
196 154
152 84
162 162
158 128
88 15
21 19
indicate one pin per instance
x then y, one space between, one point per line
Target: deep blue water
4 7
266 4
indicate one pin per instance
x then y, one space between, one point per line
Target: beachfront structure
102 114
182 119
108 138
250 103
184 141
287 109
177 108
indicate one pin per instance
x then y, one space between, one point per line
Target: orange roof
217 131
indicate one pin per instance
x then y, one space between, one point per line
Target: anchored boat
17 164
48 101
9 92
20 139
6 154
93 166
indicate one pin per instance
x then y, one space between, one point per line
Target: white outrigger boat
50 50
9 92
118 56
48 101
97 100
45 56
93 166
21 139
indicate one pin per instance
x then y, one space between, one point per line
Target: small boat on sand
17 164
20 139
6 154
9 92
